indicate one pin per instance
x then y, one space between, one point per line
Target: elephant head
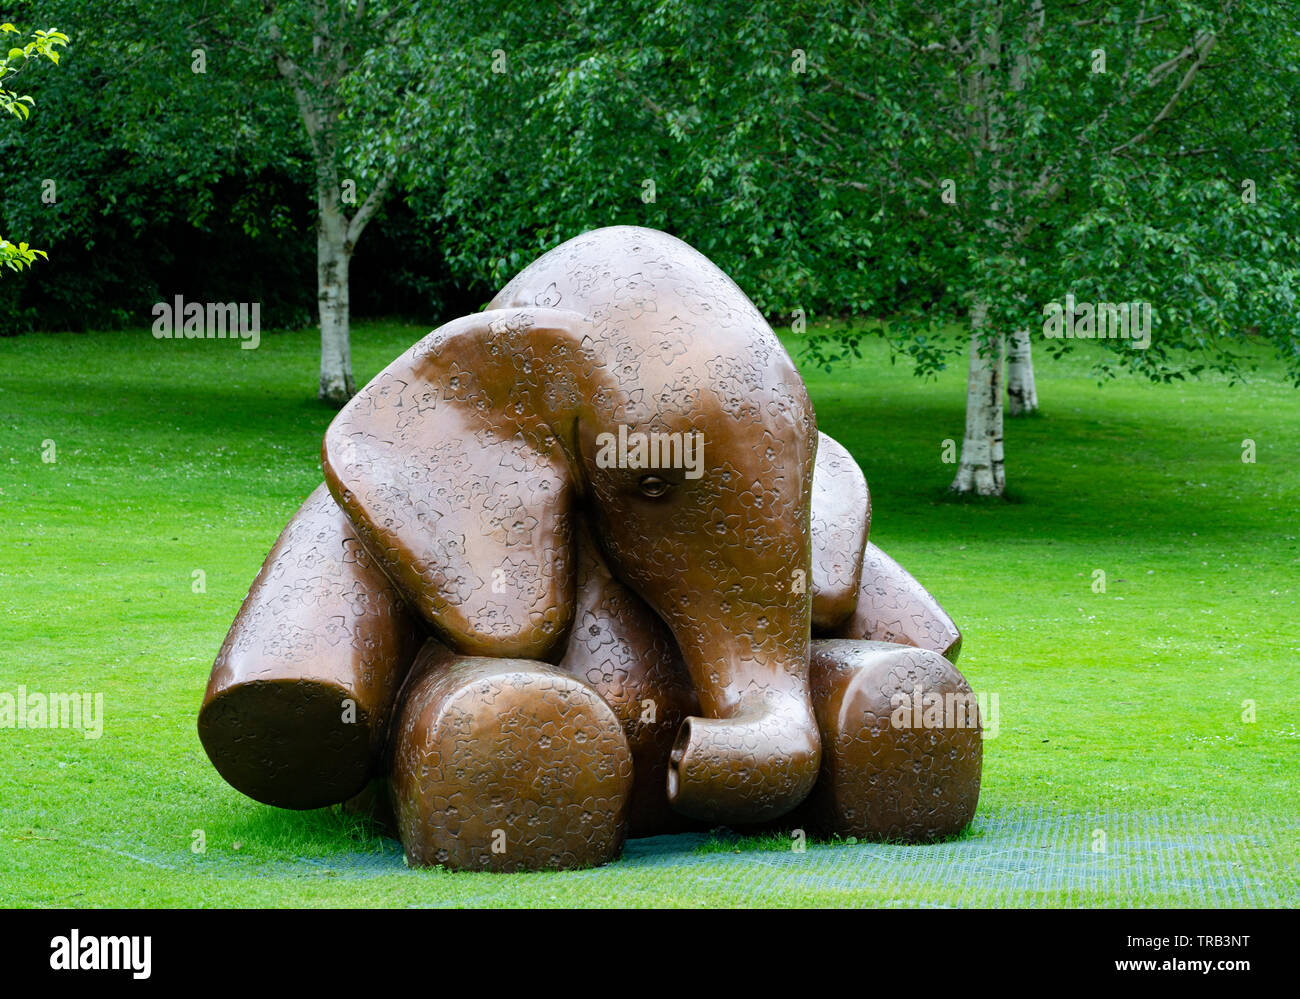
622 378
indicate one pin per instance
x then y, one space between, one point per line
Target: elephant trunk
756 759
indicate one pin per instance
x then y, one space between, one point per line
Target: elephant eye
652 485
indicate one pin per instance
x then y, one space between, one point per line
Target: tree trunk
1022 394
980 468
333 254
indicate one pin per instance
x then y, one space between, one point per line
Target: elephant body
611 483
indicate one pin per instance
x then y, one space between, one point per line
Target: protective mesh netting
1010 858
1026 858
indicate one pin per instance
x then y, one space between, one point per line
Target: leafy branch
43 44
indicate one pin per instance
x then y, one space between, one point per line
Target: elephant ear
841 520
450 471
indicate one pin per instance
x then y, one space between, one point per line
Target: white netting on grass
1010 858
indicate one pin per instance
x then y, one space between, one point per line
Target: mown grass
177 457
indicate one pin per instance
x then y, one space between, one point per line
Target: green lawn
1120 713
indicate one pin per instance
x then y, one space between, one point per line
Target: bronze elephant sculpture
583 567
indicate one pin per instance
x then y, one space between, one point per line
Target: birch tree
961 164
995 81
1067 131
1022 392
342 67
324 51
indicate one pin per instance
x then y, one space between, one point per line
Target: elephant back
641 282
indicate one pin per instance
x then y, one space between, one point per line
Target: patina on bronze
297 706
902 749
619 647
507 765
610 485
464 464
893 607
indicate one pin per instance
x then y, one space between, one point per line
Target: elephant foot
507 765
297 706
291 743
902 747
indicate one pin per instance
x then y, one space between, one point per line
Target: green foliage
16 256
802 146
1111 186
155 165
807 147
43 45
171 181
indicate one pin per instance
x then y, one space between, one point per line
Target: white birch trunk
333 254
1022 394
980 469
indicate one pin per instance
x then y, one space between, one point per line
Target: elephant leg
840 523
621 648
894 607
297 705
506 765
902 747
858 590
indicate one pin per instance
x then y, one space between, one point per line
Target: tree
188 98
43 44
675 116
935 169
1022 392
1039 171
971 164
172 149
1113 145
338 61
